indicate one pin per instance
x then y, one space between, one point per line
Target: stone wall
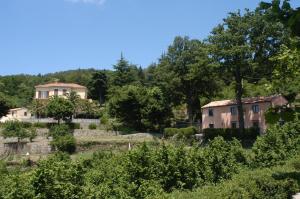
10 146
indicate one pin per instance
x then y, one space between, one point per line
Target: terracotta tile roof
59 84
250 100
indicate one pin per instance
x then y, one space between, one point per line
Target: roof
17 109
59 84
250 100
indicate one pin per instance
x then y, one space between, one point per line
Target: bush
188 132
74 125
40 125
17 129
26 124
32 134
57 177
170 132
277 145
59 130
229 134
268 183
180 132
92 126
66 143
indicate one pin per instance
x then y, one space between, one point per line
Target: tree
39 108
60 109
125 73
185 73
17 129
285 78
139 108
4 108
240 45
74 98
98 86
284 13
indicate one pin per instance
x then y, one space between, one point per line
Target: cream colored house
17 114
224 114
60 89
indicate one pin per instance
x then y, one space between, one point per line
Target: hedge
180 132
229 133
92 126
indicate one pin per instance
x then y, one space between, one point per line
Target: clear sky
41 36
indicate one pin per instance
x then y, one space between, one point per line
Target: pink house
224 114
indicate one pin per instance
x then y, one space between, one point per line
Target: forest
250 53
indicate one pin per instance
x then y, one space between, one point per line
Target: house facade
46 91
224 114
17 114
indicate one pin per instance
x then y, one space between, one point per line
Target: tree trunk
239 94
193 108
190 112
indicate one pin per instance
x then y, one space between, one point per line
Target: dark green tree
186 73
282 11
4 108
241 44
139 108
98 86
124 73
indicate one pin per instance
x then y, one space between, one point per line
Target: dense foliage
63 139
60 109
152 171
139 107
18 130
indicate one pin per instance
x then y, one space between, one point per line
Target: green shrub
74 125
268 183
272 115
170 132
26 124
40 125
277 145
65 143
32 133
17 129
188 132
59 130
57 177
180 132
92 126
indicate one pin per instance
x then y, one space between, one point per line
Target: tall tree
185 73
98 86
4 108
241 45
125 73
282 11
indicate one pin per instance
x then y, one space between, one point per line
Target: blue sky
42 36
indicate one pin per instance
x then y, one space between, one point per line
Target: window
44 94
56 92
234 125
64 91
25 113
40 94
211 126
210 112
255 124
233 110
255 108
